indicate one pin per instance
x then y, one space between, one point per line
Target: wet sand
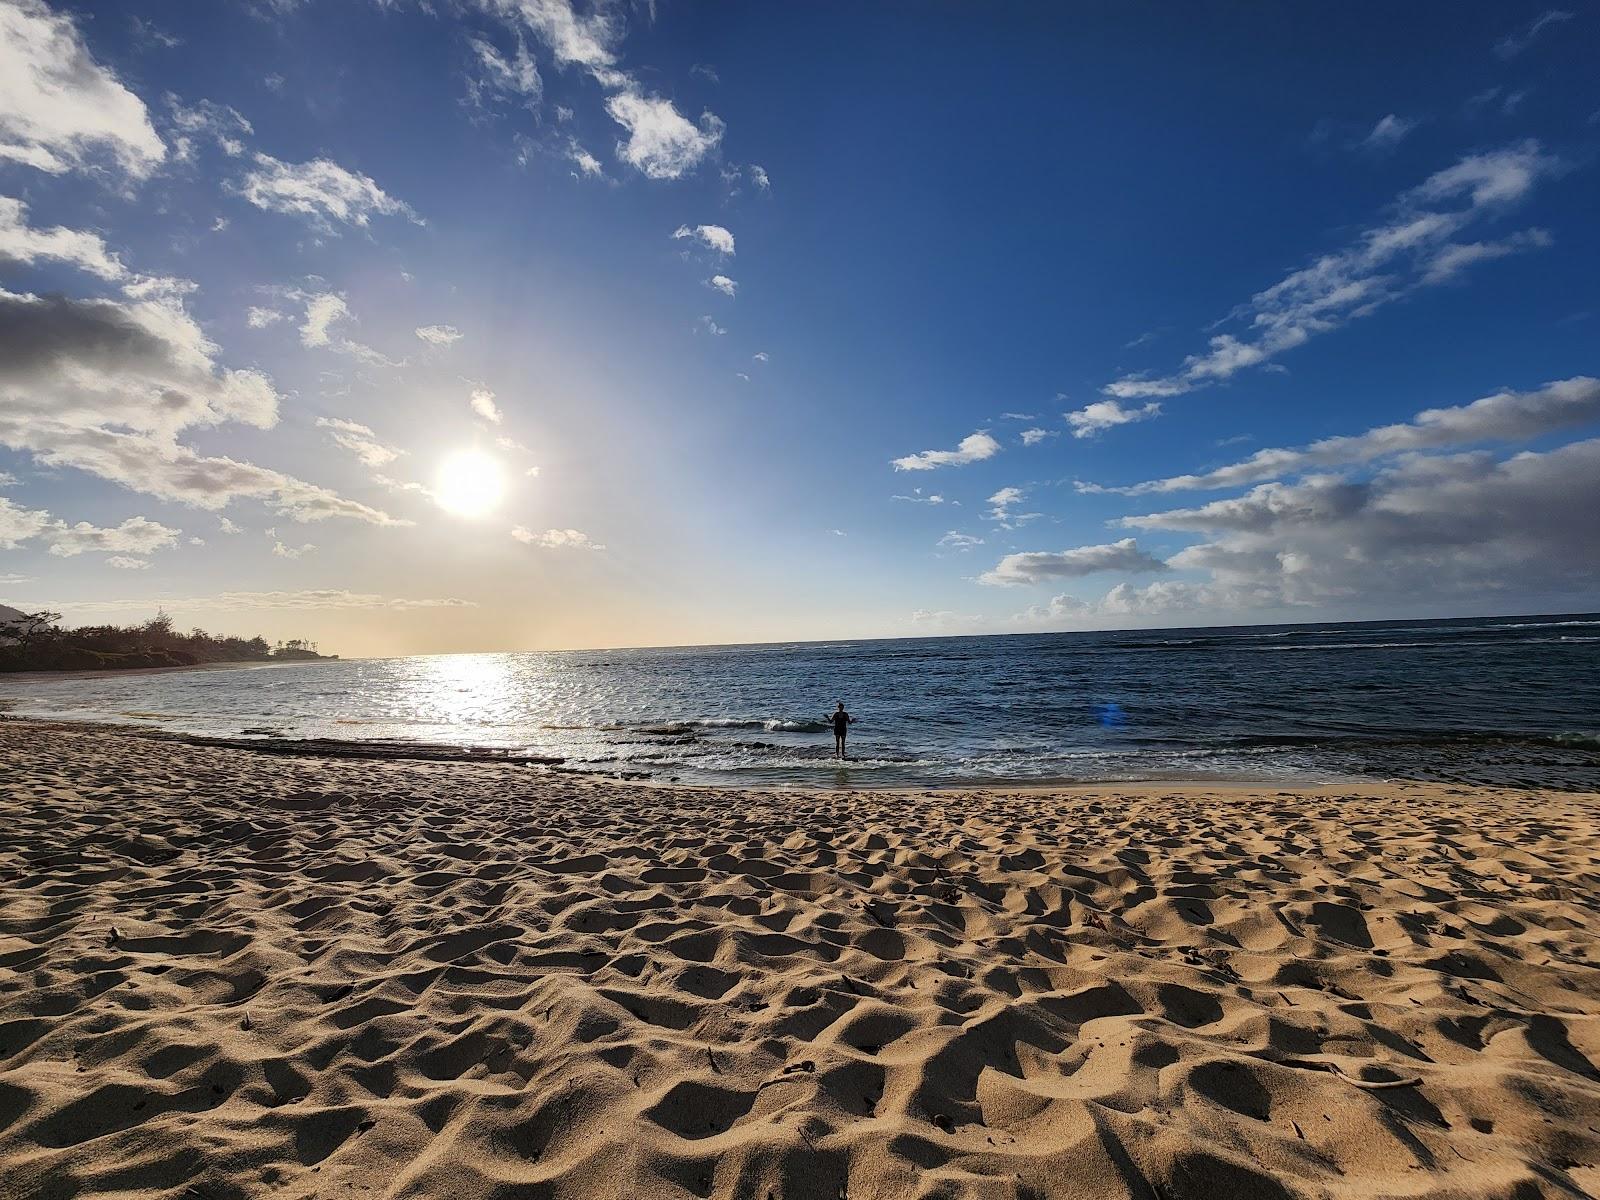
226 974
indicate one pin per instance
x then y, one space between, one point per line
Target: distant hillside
36 642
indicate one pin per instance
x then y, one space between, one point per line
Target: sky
465 325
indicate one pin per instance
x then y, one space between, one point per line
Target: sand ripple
225 975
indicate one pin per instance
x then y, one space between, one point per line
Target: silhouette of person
841 726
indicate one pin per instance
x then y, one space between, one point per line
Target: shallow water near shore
1508 700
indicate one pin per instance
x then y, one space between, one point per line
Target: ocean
1510 700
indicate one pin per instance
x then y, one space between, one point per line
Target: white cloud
577 40
723 284
279 550
322 311
956 540
18 525
711 327
586 162
1015 570
917 497
1388 133
1515 43
975 447
260 318
358 440
22 244
1032 437
61 110
1450 261
136 535
714 237
661 142
123 563
321 191
1107 414
1002 501
1384 263
439 335
482 402
228 526
556 539
759 177
1505 416
761 356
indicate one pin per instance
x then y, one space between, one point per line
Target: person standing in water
841 726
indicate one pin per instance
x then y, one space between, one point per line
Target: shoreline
372 751
226 974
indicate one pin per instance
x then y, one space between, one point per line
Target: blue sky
485 324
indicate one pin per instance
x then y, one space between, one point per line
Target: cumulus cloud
136 535
714 237
1032 437
1467 525
322 311
60 110
662 143
22 244
321 191
358 440
1015 570
1108 414
18 525
1386 262
1001 504
483 404
975 447
439 335
1505 416
107 385
1514 44
556 539
259 318
723 284
280 550
124 563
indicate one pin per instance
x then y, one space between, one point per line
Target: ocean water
1513 700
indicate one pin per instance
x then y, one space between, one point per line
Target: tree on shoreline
35 642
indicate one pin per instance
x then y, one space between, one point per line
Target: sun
469 484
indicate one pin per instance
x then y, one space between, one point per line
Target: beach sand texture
224 974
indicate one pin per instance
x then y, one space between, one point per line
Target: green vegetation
35 642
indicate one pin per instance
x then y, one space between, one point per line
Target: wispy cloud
482 401
1514 44
1388 133
723 284
358 440
1386 262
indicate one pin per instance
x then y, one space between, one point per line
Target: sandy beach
226 974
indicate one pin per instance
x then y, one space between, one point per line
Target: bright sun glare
470 484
